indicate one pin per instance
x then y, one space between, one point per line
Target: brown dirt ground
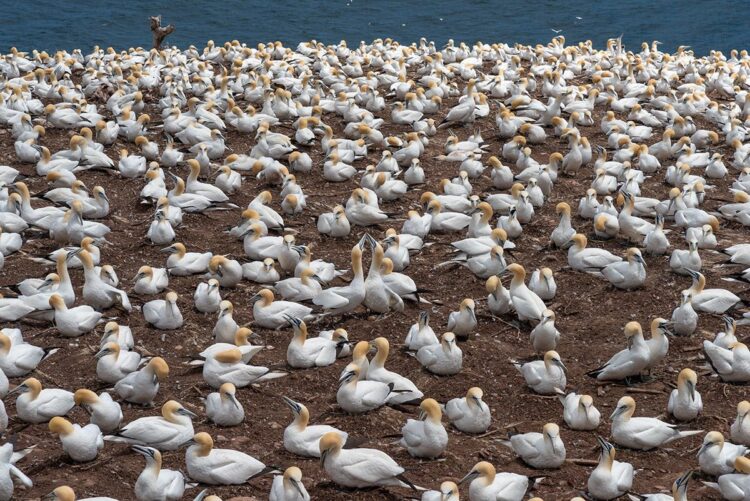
590 316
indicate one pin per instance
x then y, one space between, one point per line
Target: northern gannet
469 414
223 408
36 405
208 465
544 376
165 433
539 450
685 403
642 433
82 444
156 482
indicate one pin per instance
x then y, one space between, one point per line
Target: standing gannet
304 352
378 297
425 437
469 414
685 403
289 486
629 362
403 389
527 304
114 363
539 450
271 314
141 386
740 429
219 466
163 314
642 433
223 408
444 359
488 485
105 412
544 376
360 468
610 479
716 456
734 486
302 438
166 432
82 444
155 483
36 405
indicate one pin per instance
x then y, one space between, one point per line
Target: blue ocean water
64 24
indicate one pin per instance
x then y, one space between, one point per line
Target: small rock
275 425
221 438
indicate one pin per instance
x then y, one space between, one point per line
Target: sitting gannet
642 433
716 456
141 386
165 433
359 468
105 413
219 466
425 437
82 444
37 405
302 438
487 484
734 486
685 403
289 486
610 479
154 482
402 389
740 429
544 376
469 414
579 412
223 408
539 450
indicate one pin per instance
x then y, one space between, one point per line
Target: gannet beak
233 399
167 250
18 389
323 456
71 254
142 450
101 353
187 413
561 365
468 477
298 488
187 443
617 412
691 390
294 406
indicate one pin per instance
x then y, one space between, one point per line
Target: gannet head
57 302
742 465
552 358
474 396
551 431
293 477
712 439
430 409
30 385
228 391
85 398
204 443
562 208
625 408
515 269
63 493
110 348
159 367
172 410
660 326
448 341
608 452
60 426
330 443
482 470
265 296
579 240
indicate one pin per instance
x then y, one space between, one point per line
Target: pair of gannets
640 354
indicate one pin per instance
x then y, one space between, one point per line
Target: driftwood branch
159 32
